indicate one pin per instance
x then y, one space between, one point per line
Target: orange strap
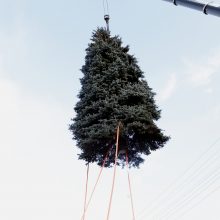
113 181
94 188
86 204
129 183
87 180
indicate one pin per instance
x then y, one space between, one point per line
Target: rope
94 188
87 180
113 181
105 7
129 183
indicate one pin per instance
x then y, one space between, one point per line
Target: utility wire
191 178
200 169
198 190
201 200
197 195
163 196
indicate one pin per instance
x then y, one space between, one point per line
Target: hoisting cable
94 188
129 183
106 13
87 180
105 7
113 181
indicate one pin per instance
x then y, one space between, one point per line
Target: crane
211 8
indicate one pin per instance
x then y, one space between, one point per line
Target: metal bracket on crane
205 7
174 2
212 9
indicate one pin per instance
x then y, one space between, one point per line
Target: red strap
113 181
94 188
87 180
129 183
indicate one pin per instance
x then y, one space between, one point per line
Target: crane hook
106 13
107 18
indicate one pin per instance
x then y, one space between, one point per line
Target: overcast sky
42 48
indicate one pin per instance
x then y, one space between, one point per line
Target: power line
201 200
165 193
182 202
191 178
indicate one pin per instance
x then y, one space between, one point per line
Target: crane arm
207 8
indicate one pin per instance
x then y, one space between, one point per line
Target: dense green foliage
113 90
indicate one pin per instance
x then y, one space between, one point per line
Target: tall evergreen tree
113 90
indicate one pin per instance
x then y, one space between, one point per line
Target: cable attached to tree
113 181
94 188
86 191
129 183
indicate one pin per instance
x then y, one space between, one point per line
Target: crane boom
207 8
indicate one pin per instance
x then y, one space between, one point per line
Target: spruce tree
114 90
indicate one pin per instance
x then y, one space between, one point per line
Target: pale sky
42 48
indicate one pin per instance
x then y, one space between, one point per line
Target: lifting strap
87 180
113 181
94 188
86 204
129 184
